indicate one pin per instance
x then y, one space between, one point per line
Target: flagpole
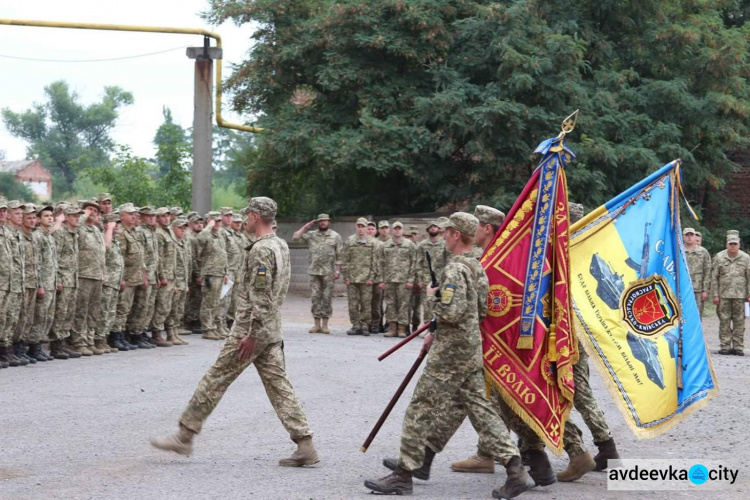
676 251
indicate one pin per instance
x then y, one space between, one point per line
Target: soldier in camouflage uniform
256 339
440 256
193 299
730 287
165 274
698 238
398 260
15 301
66 243
376 325
233 263
44 310
360 271
182 271
699 266
236 232
134 276
113 282
325 253
31 287
455 371
212 259
415 301
145 298
105 203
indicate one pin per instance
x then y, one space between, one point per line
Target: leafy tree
173 157
63 133
14 190
391 106
128 178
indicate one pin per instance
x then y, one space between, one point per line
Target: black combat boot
35 352
56 350
45 353
398 482
125 339
4 358
423 472
517 482
607 451
142 342
541 470
146 337
20 352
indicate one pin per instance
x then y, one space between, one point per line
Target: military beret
575 210
104 197
383 223
322 217
263 206
147 210
127 208
464 223
163 211
72 210
688 230
12 204
179 222
29 208
398 224
113 217
42 208
226 211
489 215
361 221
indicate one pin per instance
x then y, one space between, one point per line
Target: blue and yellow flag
634 305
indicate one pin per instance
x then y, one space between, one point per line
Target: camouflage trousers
25 316
731 323
376 306
162 306
700 303
108 316
415 306
124 306
321 295
269 361
139 317
585 402
13 308
174 320
431 402
193 302
3 308
88 312
44 315
397 298
65 307
360 302
426 303
211 289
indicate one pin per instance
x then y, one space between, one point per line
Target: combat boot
392 330
324 326
114 342
70 351
55 349
474 464
158 341
398 482
45 354
174 338
181 443
179 339
210 335
7 357
423 472
83 350
197 327
374 330
35 352
541 470
21 354
184 331
607 451
352 331
401 331
4 364
96 348
124 339
143 342
517 482
577 467
305 455
316 328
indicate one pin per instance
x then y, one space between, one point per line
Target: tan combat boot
83 350
173 337
401 331
305 455
181 443
475 464
392 330
324 326
101 346
210 335
158 341
316 328
578 466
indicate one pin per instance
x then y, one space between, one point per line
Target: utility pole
202 123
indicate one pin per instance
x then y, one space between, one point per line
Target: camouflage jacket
132 256
44 246
30 260
361 260
440 256
212 253
231 243
463 305
192 240
146 238
91 253
699 266
262 287
5 261
325 251
398 261
114 265
183 264
17 258
166 252
730 277
66 243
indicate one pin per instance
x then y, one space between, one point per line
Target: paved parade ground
79 429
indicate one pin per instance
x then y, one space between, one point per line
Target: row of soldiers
90 280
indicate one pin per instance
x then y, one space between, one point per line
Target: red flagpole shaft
408 339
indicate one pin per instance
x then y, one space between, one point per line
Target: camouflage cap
29 208
213 215
13 204
61 206
90 203
361 221
322 217
147 210
489 215
179 222
441 221
3 202
175 211
163 211
688 230
195 218
733 232
127 208
191 213
112 217
383 223
226 211
371 223
575 210
104 197
699 234
397 224
464 223
432 223
237 218
263 206
81 202
414 229
733 236
72 210
42 208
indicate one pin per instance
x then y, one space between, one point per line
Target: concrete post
202 125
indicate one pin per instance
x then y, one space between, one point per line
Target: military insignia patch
648 307
260 278
446 295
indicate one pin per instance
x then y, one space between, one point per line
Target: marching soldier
730 286
398 261
699 266
360 272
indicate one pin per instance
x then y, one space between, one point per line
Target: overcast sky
155 81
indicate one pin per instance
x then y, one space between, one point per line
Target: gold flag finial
569 123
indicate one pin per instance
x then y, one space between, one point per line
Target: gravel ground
79 429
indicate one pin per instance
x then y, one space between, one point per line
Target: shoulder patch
446 295
260 279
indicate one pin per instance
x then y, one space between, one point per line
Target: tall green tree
65 134
128 178
392 106
11 189
173 157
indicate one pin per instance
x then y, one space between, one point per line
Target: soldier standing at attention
233 263
113 283
134 276
14 304
698 238
212 258
398 258
360 272
455 370
44 311
372 229
383 235
6 354
147 233
183 262
730 286
439 254
105 203
256 339
325 253
193 300
699 266
31 286
165 275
